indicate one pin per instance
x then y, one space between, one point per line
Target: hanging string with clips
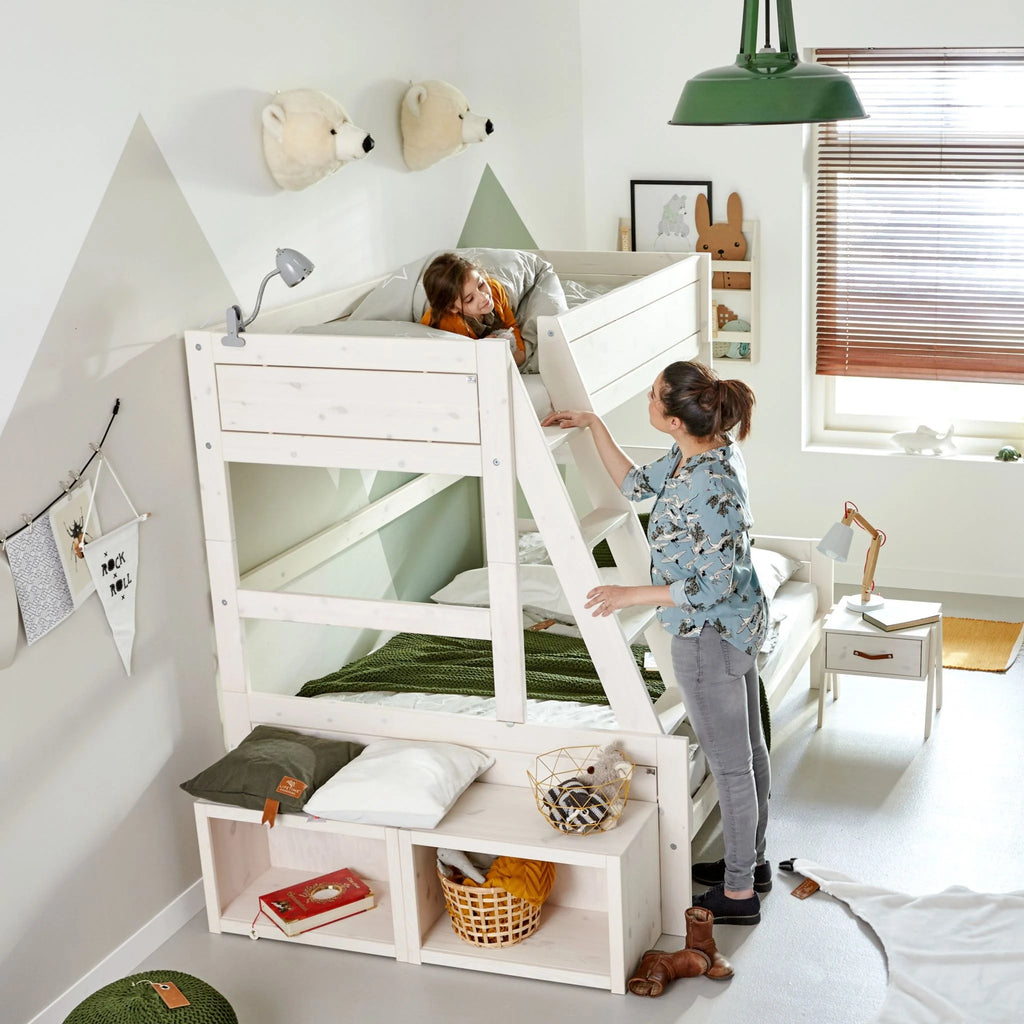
65 485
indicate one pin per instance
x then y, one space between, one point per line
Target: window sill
822 448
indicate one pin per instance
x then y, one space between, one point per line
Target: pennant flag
43 594
113 562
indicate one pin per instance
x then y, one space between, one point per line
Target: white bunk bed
446 410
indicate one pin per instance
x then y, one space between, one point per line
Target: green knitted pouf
133 1000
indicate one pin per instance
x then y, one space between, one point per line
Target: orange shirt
455 323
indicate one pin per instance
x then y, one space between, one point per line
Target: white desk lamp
836 544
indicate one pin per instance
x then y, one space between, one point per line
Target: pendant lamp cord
75 477
767 24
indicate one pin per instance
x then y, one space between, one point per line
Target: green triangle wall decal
492 220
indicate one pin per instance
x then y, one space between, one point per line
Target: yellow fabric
455 323
530 880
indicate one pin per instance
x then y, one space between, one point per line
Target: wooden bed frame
448 410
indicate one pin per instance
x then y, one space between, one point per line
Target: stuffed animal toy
307 135
456 866
594 798
437 123
724 241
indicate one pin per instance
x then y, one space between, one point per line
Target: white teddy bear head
307 135
437 123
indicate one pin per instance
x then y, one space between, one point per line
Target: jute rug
980 645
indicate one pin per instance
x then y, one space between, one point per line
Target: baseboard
123 960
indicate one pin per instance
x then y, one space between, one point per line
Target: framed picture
661 214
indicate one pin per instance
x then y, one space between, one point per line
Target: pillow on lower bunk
540 591
772 568
255 770
402 783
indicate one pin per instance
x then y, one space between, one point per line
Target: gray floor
865 795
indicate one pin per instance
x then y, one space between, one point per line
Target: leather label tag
269 813
170 994
808 887
291 787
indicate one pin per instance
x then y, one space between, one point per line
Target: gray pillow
253 772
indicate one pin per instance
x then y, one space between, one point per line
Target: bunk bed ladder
570 541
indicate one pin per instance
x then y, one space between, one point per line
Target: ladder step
555 437
634 622
598 524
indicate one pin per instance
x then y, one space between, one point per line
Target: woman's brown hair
707 405
443 282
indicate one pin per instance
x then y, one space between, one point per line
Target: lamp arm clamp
236 323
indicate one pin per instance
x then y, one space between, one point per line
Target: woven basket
488 917
569 801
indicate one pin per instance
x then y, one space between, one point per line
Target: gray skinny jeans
721 695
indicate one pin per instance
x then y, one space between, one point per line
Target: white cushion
402 783
540 591
772 568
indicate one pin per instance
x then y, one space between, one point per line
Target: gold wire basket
490 917
574 795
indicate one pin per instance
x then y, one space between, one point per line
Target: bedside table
855 647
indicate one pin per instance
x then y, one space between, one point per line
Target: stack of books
317 901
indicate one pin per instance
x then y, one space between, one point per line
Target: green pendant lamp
769 86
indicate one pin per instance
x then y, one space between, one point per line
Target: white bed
446 409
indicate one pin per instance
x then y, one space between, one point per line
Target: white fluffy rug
955 956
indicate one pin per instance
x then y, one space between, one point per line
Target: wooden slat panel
366 613
642 376
349 403
612 350
352 453
347 352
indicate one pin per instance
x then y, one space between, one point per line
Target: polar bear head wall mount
437 123
308 135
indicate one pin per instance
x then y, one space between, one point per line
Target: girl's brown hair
707 405
443 282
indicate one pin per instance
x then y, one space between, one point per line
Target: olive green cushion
250 774
133 1000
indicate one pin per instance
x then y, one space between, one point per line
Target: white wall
951 525
136 204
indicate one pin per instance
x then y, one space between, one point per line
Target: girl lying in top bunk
463 301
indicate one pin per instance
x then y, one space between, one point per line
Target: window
919 241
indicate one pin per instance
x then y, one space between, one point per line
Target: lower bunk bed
380 425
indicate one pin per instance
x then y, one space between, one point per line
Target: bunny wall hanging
723 241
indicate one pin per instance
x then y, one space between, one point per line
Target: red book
317 901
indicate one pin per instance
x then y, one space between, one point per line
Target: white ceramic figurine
917 442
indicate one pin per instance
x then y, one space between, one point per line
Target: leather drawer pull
872 657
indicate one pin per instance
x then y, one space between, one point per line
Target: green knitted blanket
557 668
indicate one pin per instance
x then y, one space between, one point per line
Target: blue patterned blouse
700 546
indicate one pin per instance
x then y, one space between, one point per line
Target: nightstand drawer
877 655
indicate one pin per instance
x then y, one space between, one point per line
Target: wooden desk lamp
836 544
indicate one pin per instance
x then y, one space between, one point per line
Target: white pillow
772 568
540 591
403 783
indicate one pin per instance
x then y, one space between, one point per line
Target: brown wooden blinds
919 218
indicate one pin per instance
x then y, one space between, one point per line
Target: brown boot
657 968
699 935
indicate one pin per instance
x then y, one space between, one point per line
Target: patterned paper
39 582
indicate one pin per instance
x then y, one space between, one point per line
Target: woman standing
709 599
